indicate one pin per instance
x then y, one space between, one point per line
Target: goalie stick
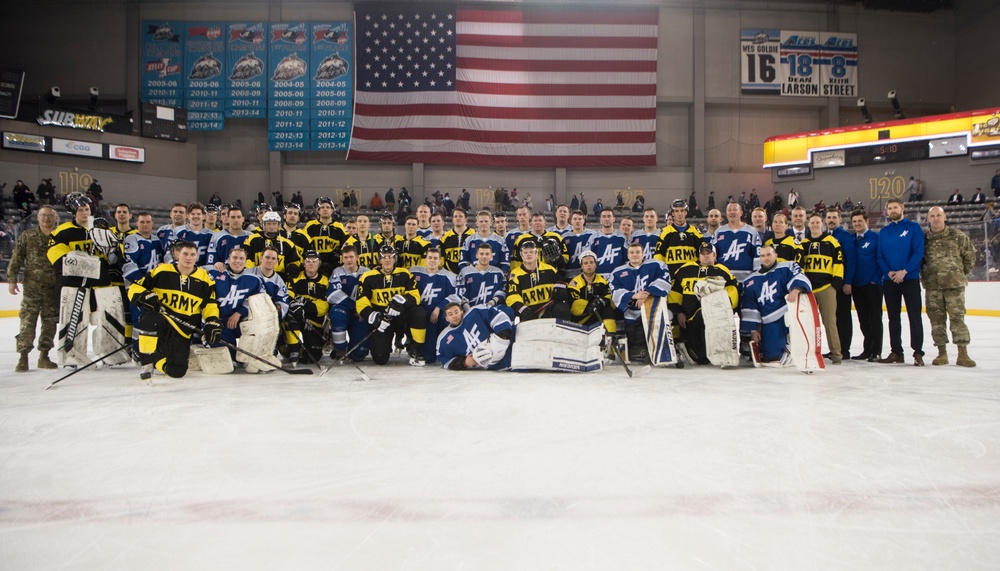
74 320
193 331
90 364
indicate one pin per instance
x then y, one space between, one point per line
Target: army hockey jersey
289 260
454 344
326 239
375 290
232 291
628 280
223 243
763 299
451 248
185 298
275 288
70 236
786 248
515 254
501 256
141 256
677 246
411 253
531 288
738 250
478 287
823 262
436 290
580 293
367 248
682 298
313 291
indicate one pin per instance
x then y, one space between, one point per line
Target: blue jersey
763 299
479 287
141 256
343 288
611 250
501 255
562 232
222 244
436 290
202 238
647 241
167 234
626 280
866 268
425 233
477 325
275 288
849 249
511 237
232 291
576 244
738 250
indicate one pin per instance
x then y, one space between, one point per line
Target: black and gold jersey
367 249
313 291
786 249
326 239
376 289
70 236
823 262
581 292
410 252
289 260
677 247
682 299
451 248
531 288
188 298
515 255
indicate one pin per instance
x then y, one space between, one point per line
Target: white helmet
271 216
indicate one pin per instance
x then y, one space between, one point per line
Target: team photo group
220 290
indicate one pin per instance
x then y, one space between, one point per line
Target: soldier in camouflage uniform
40 298
948 259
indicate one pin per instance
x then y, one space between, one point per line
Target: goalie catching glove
490 351
212 331
148 300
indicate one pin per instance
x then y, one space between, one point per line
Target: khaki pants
827 302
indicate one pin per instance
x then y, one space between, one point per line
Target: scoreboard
159 122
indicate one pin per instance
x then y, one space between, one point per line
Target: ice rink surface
864 466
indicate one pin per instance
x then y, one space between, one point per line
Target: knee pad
380 359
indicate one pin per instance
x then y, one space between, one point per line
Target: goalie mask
551 250
75 200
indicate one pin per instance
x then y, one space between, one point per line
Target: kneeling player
479 339
764 303
343 297
685 302
389 302
233 288
530 286
307 311
590 295
186 294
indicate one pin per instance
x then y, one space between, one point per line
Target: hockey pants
161 345
412 322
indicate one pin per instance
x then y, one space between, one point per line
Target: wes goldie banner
759 53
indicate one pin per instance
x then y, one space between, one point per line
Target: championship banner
246 60
204 63
162 63
288 66
798 70
759 53
838 61
331 86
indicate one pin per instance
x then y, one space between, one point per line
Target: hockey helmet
528 245
588 254
212 208
679 203
262 208
75 200
310 255
551 249
324 200
271 216
386 250
706 248
292 206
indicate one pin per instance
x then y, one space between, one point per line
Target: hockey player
170 294
482 283
500 226
523 217
223 242
388 301
260 209
562 225
365 243
326 235
764 302
437 289
307 311
454 239
289 263
274 284
626 226
411 248
86 297
484 235
576 242
713 221
479 338
342 295
786 247
232 288
845 323
196 232
738 244
678 243
169 232
609 245
212 218
387 233
685 305
631 284
541 238
823 264
143 253
529 288
649 236
424 221
123 221
590 295
290 228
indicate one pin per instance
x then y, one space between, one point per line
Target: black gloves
212 331
148 300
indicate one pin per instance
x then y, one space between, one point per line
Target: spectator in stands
354 199
448 204
376 203
848 206
989 214
793 198
979 197
574 204
955 198
549 203
913 189
640 203
464 201
20 192
583 202
390 200
711 200
526 202
995 184
692 203
619 203
45 191
598 208
820 207
297 199
277 201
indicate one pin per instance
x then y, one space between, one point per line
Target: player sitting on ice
686 298
388 301
170 295
590 296
766 294
631 285
343 296
307 311
437 289
477 339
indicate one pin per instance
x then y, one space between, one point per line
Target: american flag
506 86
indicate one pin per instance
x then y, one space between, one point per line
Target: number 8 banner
799 68
838 64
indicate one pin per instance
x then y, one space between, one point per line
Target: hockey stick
90 364
340 360
304 348
193 330
74 319
614 348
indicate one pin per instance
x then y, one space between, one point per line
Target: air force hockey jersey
576 244
738 250
501 256
626 280
201 238
275 288
343 289
436 290
141 256
223 243
611 250
232 291
648 241
479 287
764 294
477 325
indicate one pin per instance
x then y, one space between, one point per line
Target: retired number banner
798 63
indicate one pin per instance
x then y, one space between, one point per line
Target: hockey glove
498 347
212 331
396 305
482 354
148 300
296 315
596 305
559 292
526 313
379 321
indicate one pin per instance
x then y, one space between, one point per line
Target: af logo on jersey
734 252
471 336
767 292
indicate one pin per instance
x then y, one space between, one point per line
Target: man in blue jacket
845 325
866 287
900 252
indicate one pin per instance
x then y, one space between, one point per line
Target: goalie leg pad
110 322
658 331
722 334
212 360
259 334
76 355
805 333
556 345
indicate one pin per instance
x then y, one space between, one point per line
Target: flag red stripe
506 161
555 137
556 65
476 112
554 42
553 90
580 15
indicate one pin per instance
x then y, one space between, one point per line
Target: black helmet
679 203
324 200
75 200
387 250
310 254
